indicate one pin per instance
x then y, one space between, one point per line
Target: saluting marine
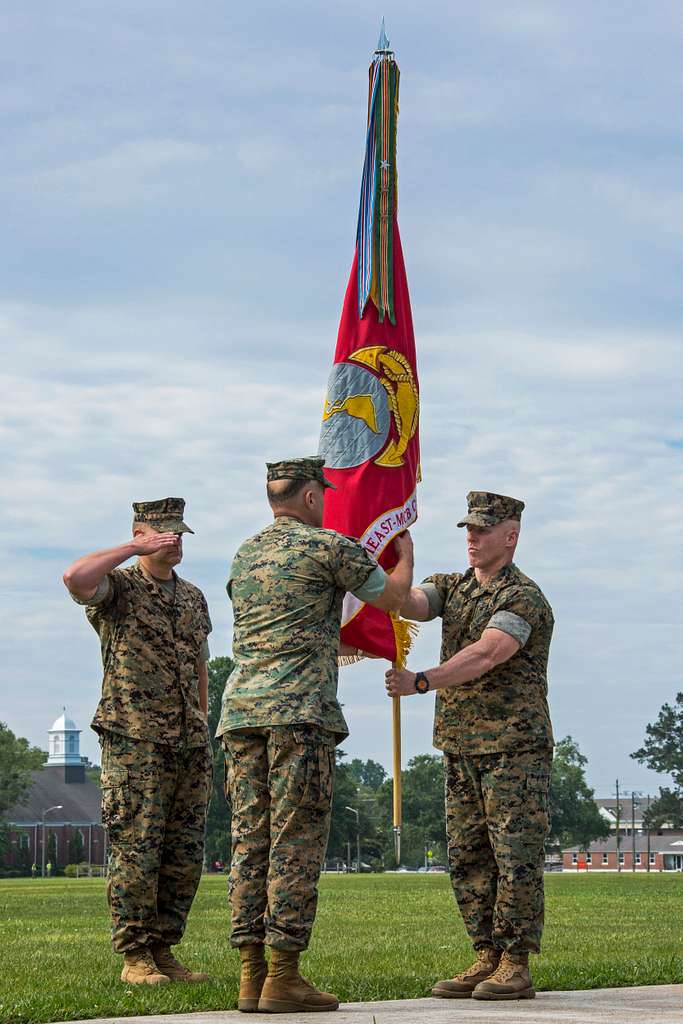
492 722
151 720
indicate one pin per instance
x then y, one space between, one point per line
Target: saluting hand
399 682
150 543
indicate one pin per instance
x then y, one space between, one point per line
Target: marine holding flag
369 436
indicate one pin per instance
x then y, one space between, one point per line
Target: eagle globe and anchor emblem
361 404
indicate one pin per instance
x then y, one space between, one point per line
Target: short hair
281 491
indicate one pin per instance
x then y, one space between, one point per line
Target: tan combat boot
285 991
463 985
252 976
139 968
172 968
511 980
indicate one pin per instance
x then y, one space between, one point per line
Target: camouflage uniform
156 761
281 718
497 740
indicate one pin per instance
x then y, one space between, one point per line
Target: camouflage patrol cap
486 509
310 468
165 515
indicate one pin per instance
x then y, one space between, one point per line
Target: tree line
365 786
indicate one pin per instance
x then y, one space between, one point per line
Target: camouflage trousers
154 801
496 824
279 783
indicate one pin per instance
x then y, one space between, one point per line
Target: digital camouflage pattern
151 643
487 509
154 800
165 515
287 585
279 784
506 709
496 823
310 468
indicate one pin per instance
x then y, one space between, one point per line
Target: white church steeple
64 742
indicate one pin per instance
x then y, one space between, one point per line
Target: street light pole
618 812
357 813
57 807
634 803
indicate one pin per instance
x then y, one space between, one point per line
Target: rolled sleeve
373 586
205 653
102 594
512 624
435 599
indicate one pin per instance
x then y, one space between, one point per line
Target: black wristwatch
421 682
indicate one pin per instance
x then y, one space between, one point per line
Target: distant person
281 721
48 869
34 870
151 719
493 724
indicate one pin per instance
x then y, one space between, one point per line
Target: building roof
81 802
670 841
64 724
608 808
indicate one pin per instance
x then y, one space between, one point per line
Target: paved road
657 1004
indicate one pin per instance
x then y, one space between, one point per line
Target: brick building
662 852
61 802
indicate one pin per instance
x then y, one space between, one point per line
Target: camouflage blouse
505 709
151 642
287 585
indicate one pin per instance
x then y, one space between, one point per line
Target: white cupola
64 742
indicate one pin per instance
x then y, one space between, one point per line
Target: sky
179 190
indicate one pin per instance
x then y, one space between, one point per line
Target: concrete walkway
657 1004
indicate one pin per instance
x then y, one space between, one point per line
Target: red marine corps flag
369 436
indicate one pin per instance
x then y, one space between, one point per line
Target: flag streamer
378 198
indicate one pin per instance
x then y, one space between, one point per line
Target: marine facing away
281 721
493 725
151 720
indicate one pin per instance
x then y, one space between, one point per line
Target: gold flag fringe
404 633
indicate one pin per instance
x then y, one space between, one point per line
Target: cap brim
172 526
475 520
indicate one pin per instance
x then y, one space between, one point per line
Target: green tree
92 771
424 817
342 822
666 809
662 751
218 817
17 760
368 773
575 819
76 848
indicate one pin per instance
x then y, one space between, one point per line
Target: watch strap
421 682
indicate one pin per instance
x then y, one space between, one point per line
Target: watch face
421 683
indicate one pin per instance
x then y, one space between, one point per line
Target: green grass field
376 937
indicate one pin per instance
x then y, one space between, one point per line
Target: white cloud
182 213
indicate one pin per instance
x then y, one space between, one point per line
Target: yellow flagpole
396 728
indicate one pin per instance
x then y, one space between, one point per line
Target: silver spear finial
383 42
